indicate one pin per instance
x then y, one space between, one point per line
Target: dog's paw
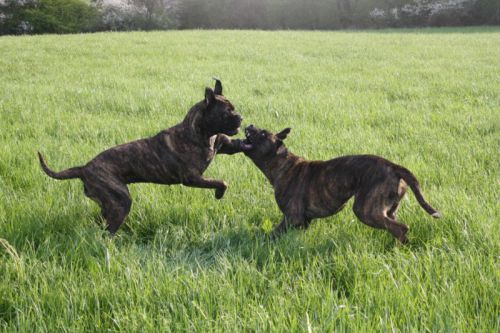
245 146
219 193
403 238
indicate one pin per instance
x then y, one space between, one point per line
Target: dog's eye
262 134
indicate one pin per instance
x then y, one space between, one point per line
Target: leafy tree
47 16
64 16
13 16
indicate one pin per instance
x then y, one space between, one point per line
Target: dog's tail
70 173
412 181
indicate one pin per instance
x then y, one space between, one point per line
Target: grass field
183 261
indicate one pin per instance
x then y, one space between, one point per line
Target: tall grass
183 261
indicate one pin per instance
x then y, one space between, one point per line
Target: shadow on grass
57 238
246 241
249 246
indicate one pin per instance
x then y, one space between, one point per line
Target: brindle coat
178 155
305 190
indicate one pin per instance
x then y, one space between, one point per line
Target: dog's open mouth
248 139
250 135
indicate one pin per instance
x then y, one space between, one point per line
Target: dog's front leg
225 145
220 186
280 228
286 223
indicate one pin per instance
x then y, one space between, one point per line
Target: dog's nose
250 126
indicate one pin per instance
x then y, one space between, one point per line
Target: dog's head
219 115
264 144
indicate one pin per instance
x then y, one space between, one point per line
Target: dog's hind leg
391 213
115 212
114 199
380 221
362 208
394 204
373 209
397 229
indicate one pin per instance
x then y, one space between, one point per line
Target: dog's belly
326 194
169 169
323 206
158 174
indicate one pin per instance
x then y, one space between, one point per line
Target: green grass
183 261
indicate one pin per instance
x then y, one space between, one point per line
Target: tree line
72 16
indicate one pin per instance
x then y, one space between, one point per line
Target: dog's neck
192 124
278 165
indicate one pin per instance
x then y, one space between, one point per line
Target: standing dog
178 155
305 190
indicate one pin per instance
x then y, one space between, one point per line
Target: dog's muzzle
234 125
250 133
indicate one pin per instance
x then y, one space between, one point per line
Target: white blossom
377 13
433 7
25 26
395 13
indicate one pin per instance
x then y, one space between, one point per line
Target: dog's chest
181 155
201 157
212 150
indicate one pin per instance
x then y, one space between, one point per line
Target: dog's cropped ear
209 96
218 87
283 134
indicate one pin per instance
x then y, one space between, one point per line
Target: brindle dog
305 190
178 155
